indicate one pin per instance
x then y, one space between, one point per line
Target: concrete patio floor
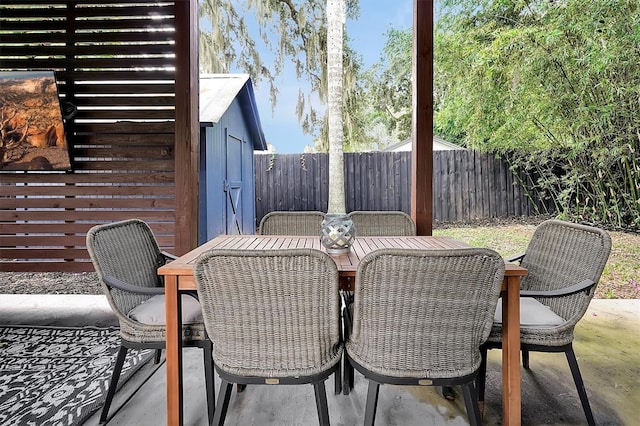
607 345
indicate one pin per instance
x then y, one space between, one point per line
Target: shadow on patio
606 344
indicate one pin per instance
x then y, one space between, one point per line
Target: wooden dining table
178 277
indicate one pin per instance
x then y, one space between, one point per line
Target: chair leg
471 403
347 369
525 359
577 378
321 403
481 378
209 379
337 380
372 403
115 376
347 376
223 402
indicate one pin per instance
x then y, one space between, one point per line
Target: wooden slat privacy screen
114 60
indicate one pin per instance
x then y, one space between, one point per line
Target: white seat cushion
533 314
152 311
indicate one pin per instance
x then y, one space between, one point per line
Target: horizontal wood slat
114 140
105 63
65 38
91 203
48 253
81 178
130 88
126 75
139 101
131 50
112 152
125 128
166 228
83 215
57 241
131 114
100 191
137 165
53 10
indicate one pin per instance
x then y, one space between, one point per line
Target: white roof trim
217 92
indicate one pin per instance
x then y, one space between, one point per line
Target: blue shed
230 131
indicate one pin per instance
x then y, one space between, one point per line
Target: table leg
174 350
511 398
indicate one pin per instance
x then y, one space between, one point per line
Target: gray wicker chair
420 317
382 223
374 224
564 263
302 223
274 317
291 223
126 257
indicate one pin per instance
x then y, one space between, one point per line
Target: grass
620 278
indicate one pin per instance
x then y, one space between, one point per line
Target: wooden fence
467 185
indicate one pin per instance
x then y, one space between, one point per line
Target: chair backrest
424 313
271 312
560 254
291 223
128 251
382 223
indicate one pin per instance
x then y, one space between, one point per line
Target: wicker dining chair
372 224
382 223
126 257
274 317
302 223
291 223
564 261
419 317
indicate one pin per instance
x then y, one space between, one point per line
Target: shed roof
217 92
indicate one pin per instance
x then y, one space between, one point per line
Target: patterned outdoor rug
58 376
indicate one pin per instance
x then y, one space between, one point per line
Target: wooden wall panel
115 61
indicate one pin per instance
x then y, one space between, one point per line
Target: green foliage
556 81
391 85
387 86
551 85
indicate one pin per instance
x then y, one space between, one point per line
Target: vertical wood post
187 126
422 153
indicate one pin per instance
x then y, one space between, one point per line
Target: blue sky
281 126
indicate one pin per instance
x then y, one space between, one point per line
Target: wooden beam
187 132
422 153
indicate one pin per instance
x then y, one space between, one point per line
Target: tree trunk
335 31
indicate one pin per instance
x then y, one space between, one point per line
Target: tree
292 30
550 85
555 80
388 85
335 38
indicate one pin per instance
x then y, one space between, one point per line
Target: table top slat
347 263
